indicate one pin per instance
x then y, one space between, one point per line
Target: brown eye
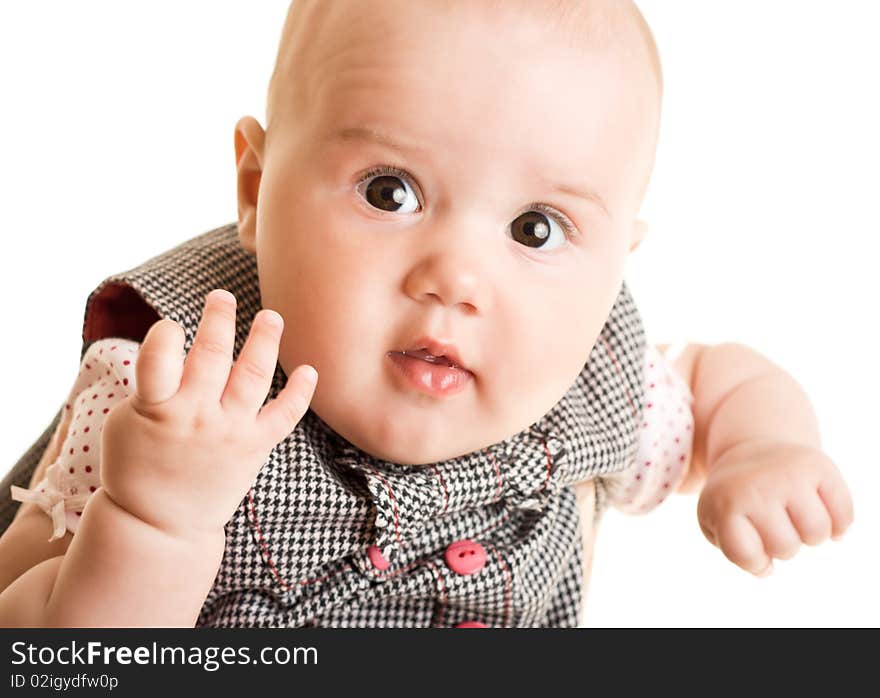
389 192
534 229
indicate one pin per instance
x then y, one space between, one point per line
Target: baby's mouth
438 375
425 355
434 351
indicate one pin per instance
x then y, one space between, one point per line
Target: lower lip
436 380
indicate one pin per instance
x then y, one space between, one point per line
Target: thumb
159 363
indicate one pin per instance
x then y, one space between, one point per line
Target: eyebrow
587 194
372 135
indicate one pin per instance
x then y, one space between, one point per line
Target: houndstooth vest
331 536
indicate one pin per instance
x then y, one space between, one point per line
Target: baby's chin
418 451
406 442
393 453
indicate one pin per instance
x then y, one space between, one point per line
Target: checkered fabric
297 547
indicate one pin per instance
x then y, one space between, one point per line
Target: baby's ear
249 140
639 229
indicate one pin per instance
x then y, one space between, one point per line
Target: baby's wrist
742 447
121 571
109 507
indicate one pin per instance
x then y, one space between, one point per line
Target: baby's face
453 177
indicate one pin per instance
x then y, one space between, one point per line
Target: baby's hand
183 449
762 499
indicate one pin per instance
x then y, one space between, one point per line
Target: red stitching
389 575
619 371
443 483
410 566
507 582
263 542
269 557
393 502
443 594
497 472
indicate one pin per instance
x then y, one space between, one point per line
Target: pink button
465 557
471 624
376 557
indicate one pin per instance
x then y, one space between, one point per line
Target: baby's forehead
594 27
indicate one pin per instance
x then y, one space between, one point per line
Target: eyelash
570 230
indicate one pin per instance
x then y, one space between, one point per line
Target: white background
117 121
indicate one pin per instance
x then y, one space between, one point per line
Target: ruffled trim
521 471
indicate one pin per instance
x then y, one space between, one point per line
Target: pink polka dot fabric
665 439
106 376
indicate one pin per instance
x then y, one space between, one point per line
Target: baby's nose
453 277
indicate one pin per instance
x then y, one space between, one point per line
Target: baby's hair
601 21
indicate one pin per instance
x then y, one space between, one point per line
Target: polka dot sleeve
106 376
665 439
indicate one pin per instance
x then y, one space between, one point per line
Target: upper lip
438 347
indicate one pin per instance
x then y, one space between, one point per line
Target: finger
778 533
709 512
280 416
708 532
836 497
207 364
741 544
809 516
159 363
252 373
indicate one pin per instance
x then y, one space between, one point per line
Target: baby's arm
118 571
765 484
25 543
26 540
739 396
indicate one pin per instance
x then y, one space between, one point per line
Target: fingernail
839 536
272 318
767 572
310 375
222 296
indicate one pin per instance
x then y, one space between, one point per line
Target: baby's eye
387 189
535 229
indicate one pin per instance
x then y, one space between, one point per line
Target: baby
437 219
